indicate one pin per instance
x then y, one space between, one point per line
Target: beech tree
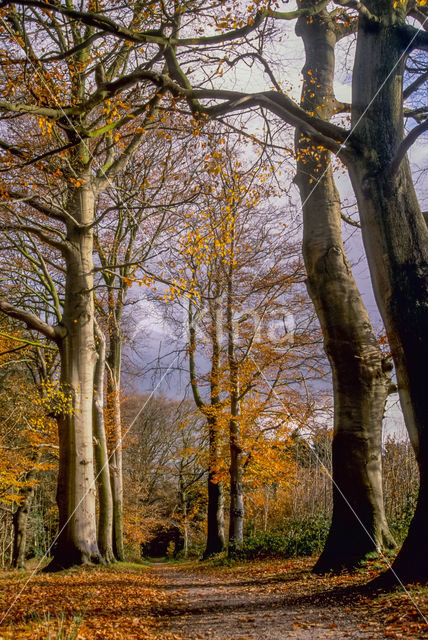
51 194
238 282
361 373
137 219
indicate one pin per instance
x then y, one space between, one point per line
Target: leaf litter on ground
198 600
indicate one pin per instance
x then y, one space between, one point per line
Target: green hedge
298 538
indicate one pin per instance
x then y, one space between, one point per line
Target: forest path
260 602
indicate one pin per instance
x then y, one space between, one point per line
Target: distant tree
236 285
164 467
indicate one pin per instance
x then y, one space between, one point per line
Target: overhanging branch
32 321
415 85
406 144
326 134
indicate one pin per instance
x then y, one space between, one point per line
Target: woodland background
151 230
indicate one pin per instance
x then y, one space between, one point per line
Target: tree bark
105 515
113 404
396 240
236 516
361 377
20 520
215 525
76 494
215 511
183 505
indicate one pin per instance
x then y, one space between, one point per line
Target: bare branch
406 144
50 212
413 38
415 85
192 365
349 220
107 25
42 156
33 109
326 134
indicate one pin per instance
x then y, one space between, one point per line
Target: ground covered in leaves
167 601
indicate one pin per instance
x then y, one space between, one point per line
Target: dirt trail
238 604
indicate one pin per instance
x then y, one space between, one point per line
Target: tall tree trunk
236 517
105 516
215 526
183 504
114 360
395 238
116 470
76 494
361 377
20 520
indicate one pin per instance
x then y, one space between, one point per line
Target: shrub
303 537
399 525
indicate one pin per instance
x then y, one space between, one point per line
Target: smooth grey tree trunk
20 520
105 509
361 376
76 493
396 240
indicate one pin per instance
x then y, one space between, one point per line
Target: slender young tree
105 498
236 276
215 542
138 221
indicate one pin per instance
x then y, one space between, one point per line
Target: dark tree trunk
361 378
215 526
215 516
395 238
236 516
